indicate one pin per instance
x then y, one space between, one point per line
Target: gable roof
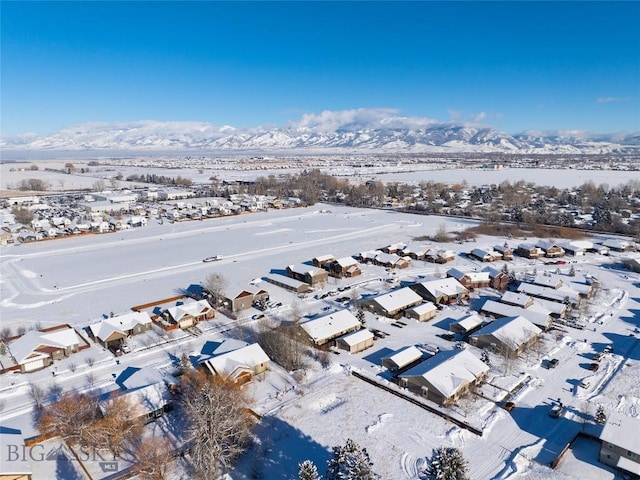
26 346
119 324
510 331
397 299
469 322
621 431
426 307
448 370
330 325
189 309
232 362
404 356
359 336
444 286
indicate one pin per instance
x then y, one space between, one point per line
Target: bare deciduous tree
71 417
218 423
118 428
216 284
285 345
38 395
154 459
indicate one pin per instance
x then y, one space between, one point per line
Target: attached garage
31 365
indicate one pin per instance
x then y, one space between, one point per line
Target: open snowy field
11 175
77 280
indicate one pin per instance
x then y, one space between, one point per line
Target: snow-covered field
78 280
10 175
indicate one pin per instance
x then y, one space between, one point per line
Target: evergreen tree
350 462
307 470
601 417
446 463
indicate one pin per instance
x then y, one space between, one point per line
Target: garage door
32 365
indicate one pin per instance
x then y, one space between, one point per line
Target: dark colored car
509 406
594 367
553 363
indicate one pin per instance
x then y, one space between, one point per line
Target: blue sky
512 65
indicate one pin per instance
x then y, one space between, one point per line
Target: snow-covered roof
447 371
346 261
390 258
558 295
397 299
189 309
482 253
426 307
444 286
25 346
135 377
120 324
510 331
13 466
324 258
226 364
474 276
303 269
617 243
284 280
469 322
405 356
514 298
142 400
331 325
355 338
535 314
622 431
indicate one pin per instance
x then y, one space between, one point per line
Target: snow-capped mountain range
387 134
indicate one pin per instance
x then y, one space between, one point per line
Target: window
630 454
610 446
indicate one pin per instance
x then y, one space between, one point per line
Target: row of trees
351 462
160 179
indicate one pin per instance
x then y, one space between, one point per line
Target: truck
213 258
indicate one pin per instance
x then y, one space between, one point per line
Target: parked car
212 259
585 384
125 348
608 349
553 363
597 356
509 406
594 367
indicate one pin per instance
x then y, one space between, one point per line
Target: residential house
287 283
402 358
621 443
485 255
423 312
245 298
394 303
536 314
325 329
38 349
497 278
440 256
391 260
441 291
529 251
113 332
144 403
470 280
467 324
507 253
345 267
550 249
517 299
618 245
561 295
394 248
311 275
355 342
507 334
188 314
445 377
322 260
15 463
235 361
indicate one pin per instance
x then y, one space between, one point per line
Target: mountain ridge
438 138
